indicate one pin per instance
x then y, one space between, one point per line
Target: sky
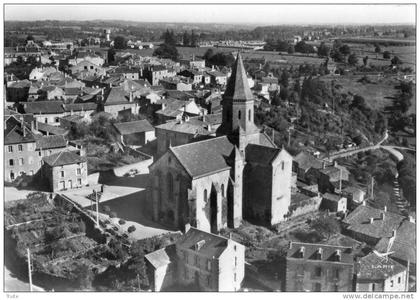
239 13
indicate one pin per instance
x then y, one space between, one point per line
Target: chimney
364 203
187 227
290 244
338 255
371 220
302 251
335 163
323 164
385 208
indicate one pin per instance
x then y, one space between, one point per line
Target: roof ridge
195 143
327 245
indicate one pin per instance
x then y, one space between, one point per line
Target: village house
194 63
319 268
180 132
18 91
118 104
328 178
202 183
334 203
369 225
354 194
65 170
48 112
175 109
87 68
176 83
84 56
401 244
302 162
136 133
196 76
217 78
127 72
211 262
154 74
377 273
302 203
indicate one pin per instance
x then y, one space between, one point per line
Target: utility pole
372 182
341 174
29 269
97 208
138 282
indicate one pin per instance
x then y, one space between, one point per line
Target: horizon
245 14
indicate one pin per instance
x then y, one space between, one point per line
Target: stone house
302 162
196 76
217 78
154 74
135 133
370 225
65 170
211 262
354 194
118 104
334 203
319 268
48 112
376 273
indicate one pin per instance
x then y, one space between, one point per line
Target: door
70 184
62 185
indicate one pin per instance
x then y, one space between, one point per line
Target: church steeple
238 103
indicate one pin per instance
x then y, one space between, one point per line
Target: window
234 277
373 287
79 181
12 176
223 190
336 273
170 185
282 165
31 172
21 173
208 265
208 280
11 162
399 279
39 153
316 287
61 173
20 148
46 120
236 261
57 119
10 149
205 195
79 171
392 283
234 247
91 67
318 272
249 115
85 67
239 115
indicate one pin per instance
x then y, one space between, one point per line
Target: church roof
237 87
261 154
204 157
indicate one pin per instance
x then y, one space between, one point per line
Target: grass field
378 94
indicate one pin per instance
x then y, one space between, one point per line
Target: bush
131 229
121 222
107 209
112 214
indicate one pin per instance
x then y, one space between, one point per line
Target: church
215 183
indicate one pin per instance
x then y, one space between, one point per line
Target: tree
30 38
396 61
387 55
326 225
345 49
208 54
323 50
352 60
291 49
194 39
284 78
365 60
120 42
169 38
111 55
282 46
377 48
302 47
284 93
186 39
337 56
166 51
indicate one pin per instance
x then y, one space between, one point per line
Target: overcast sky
256 14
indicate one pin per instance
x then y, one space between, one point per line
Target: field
379 94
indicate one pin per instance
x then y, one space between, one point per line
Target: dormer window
337 255
301 253
318 254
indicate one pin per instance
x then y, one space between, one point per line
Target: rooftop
63 158
134 127
373 267
237 87
43 107
308 251
50 142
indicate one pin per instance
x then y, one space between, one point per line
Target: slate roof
63 158
72 91
332 197
43 107
50 142
80 106
261 154
21 84
204 157
134 127
56 130
373 267
404 246
306 161
359 221
328 252
213 245
190 127
237 87
162 257
116 96
15 135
